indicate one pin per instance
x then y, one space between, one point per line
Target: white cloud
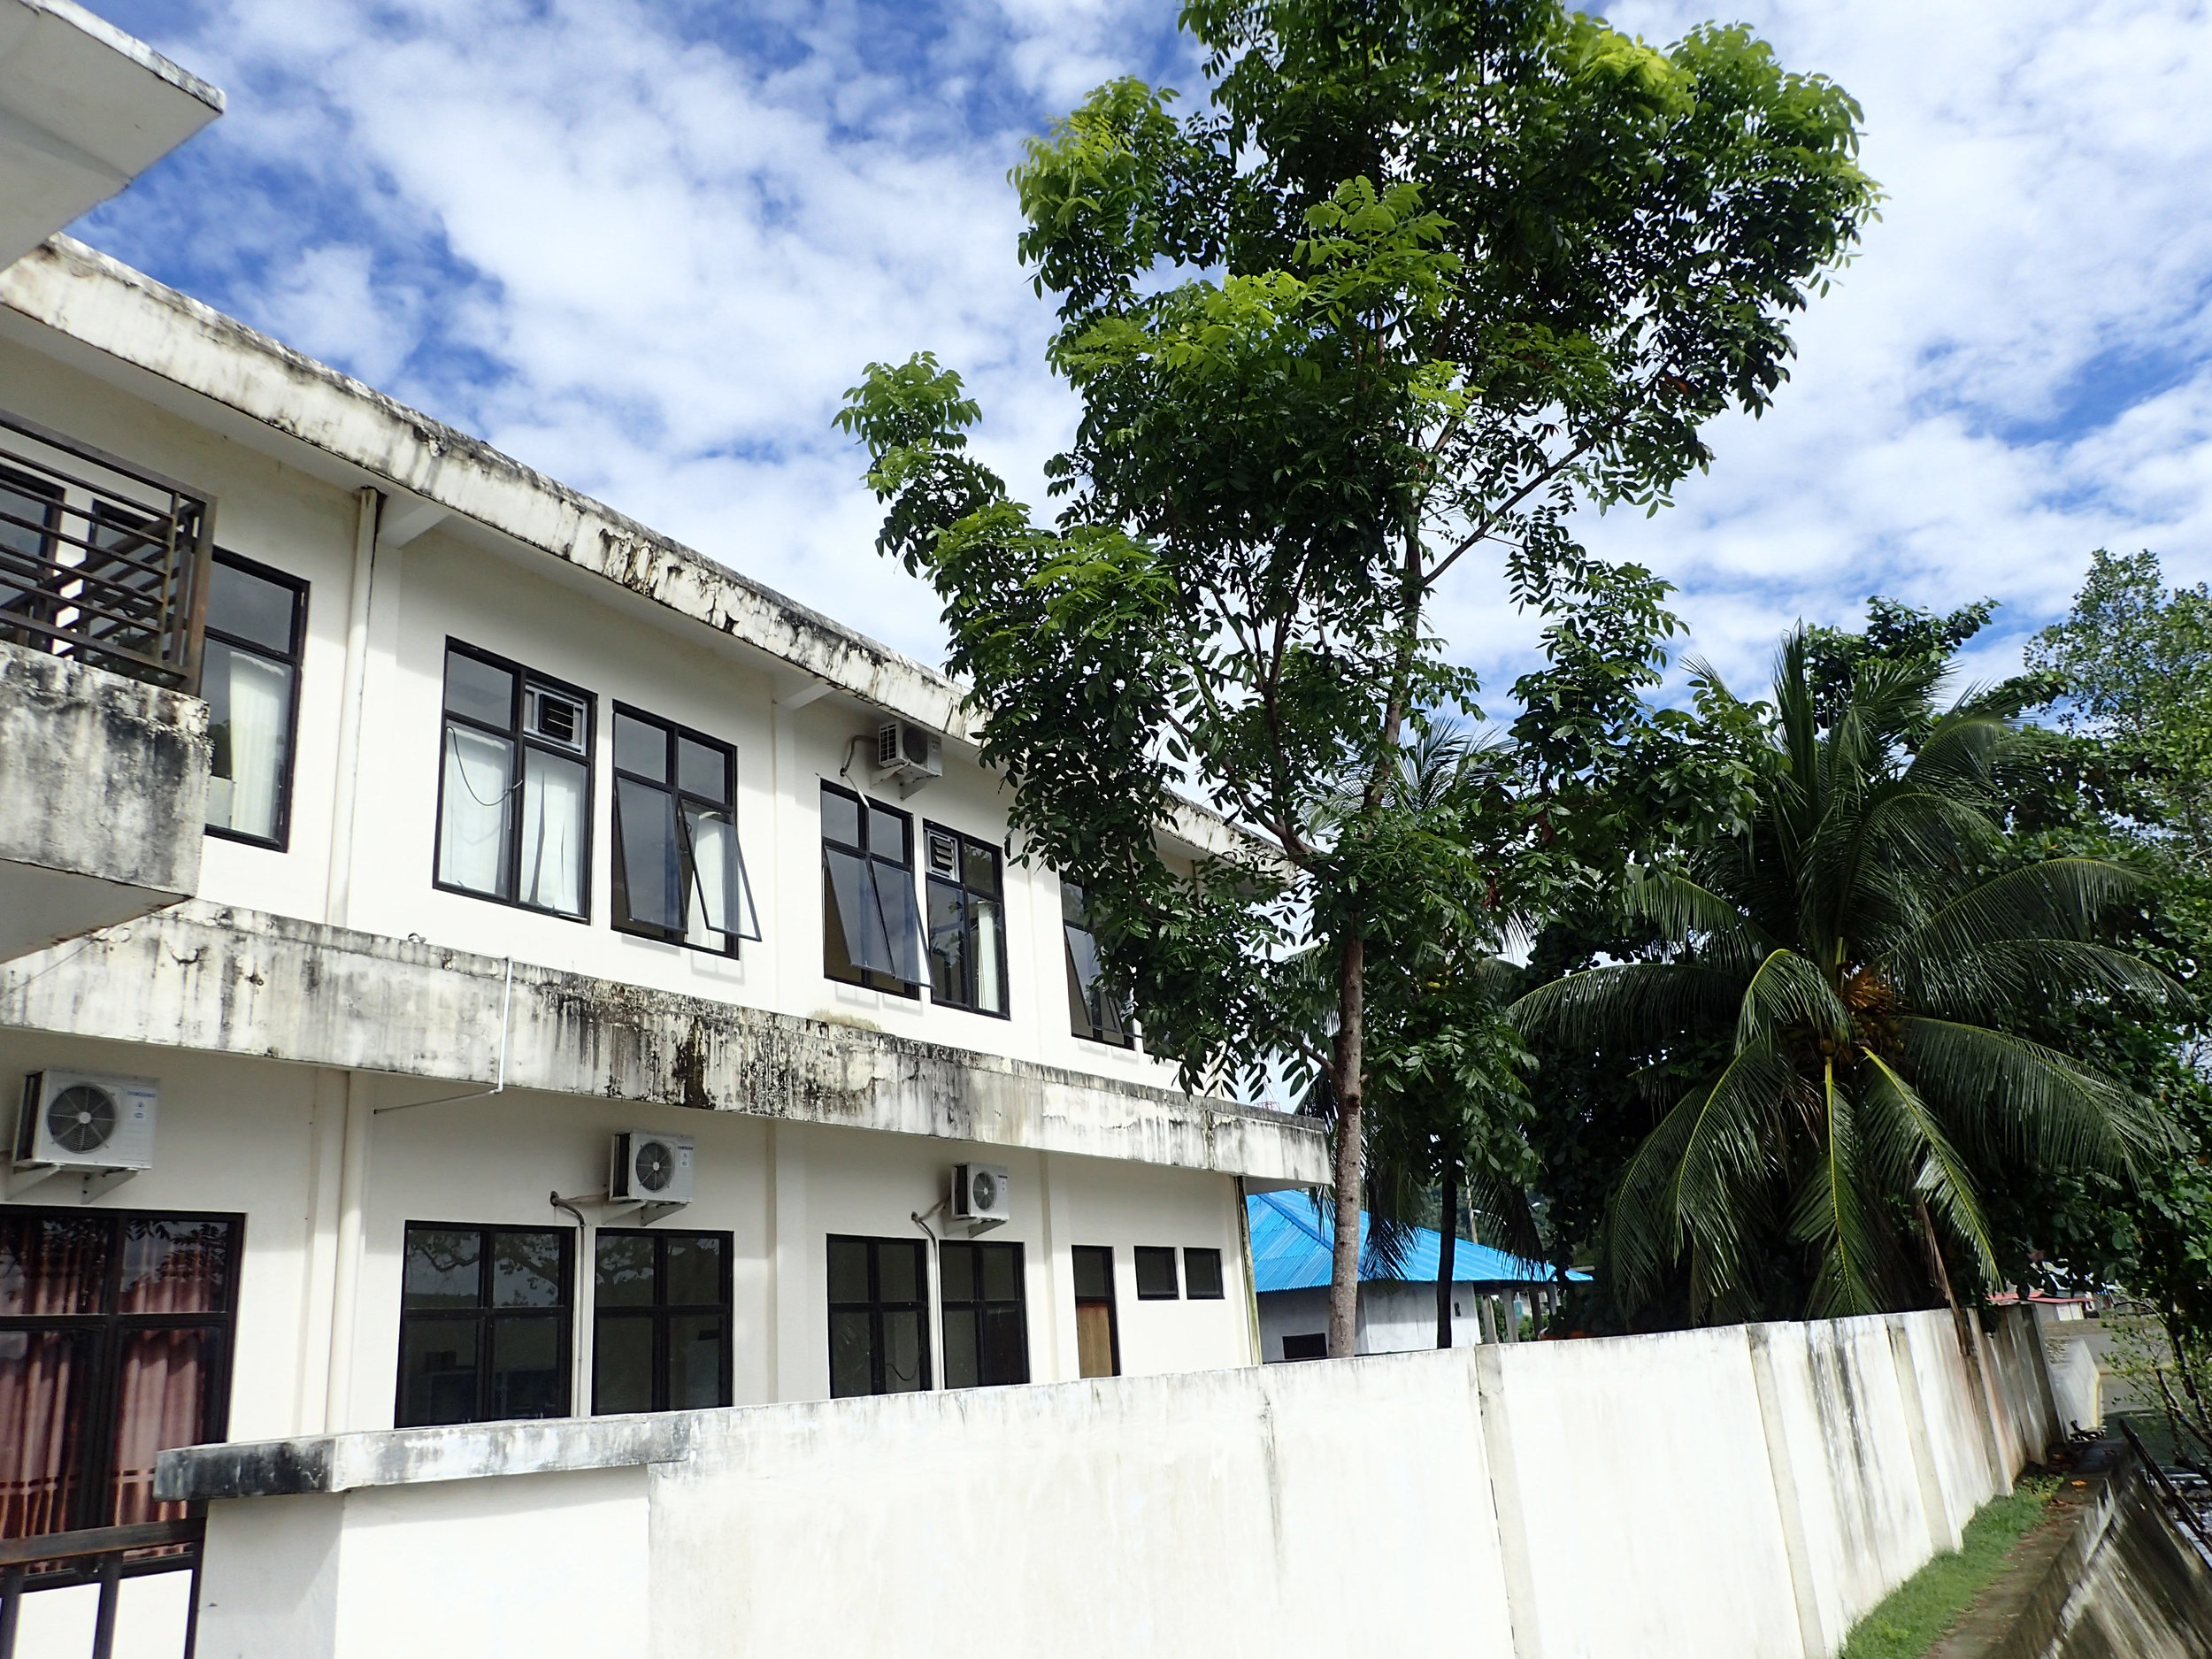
647 258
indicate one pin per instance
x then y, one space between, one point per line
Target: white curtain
260 697
990 994
721 898
552 832
472 831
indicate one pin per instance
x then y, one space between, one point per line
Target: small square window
1155 1273
1314 1346
1201 1275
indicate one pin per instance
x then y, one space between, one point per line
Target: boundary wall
1741 1493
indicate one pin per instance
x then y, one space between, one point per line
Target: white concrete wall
1394 1317
1735 1493
465 582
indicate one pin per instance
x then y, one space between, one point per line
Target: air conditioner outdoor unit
87 1121
982 1192
650 1168
554 718
911 753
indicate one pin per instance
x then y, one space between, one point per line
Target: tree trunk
1344 1263
1446 1248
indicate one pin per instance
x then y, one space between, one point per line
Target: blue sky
645 244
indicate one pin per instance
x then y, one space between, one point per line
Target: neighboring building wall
1394 1317
1741 1493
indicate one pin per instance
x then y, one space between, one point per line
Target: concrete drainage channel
2113 1574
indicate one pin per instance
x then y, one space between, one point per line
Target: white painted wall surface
1587 1500
463 582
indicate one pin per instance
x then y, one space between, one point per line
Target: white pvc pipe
337 894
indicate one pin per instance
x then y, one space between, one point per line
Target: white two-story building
471 958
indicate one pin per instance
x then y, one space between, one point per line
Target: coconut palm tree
1858 957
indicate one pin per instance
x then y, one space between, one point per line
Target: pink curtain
172 1266
52 1265
39 1374
160 1402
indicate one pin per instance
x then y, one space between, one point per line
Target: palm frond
2058 898
1832 1214
1722 1181
1938 1173
2031 1099
1787 991
1635 1001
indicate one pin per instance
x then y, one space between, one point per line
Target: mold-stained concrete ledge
243 982
103 798
103 303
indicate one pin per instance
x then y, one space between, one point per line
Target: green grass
1912 1615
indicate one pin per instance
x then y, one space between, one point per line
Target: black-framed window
871 930
678 874
1097 1009
256 630
1156 1280
967 921
879 1316
986 1325
116 1337
514 789
484 1323
1097 1328
1307 1345
1201 1274
660 1335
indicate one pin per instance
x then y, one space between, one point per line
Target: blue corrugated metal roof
1292 1237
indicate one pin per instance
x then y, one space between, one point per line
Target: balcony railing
105 1556
100 560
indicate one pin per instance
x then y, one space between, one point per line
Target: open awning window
871 928
679 870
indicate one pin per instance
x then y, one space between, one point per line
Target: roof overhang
84 109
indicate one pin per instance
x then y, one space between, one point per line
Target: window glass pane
621 1363
902 920
1082 958
1001 1272
695 1272
694 1361
985 949
45 1378
1201 1273
251 607
948 943
956 1263
249 709
442 1269
437 1372
902 1369
1094 1273
1155 1272
173 1266
480 778
161 1383
849 1270
625 1274
641 747
526 1270
648 873
899 1269
51 1264
527 1378
1071 910
553 833
1005 1355
851 1356
479 691
858 933
979 869
960 1349
841 817
720 901
702 770
887 834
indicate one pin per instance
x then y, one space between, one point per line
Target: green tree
1860 962
1423 278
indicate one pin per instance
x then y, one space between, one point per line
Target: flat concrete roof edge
131 47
